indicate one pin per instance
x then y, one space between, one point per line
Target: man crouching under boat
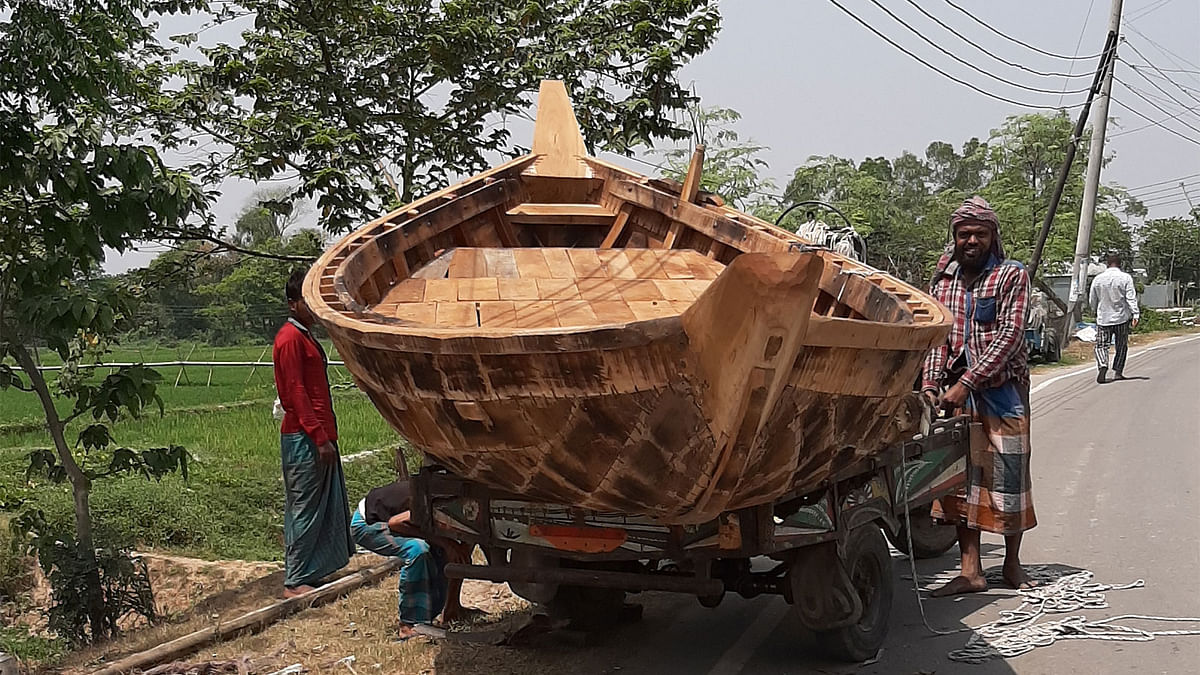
382 525
984 366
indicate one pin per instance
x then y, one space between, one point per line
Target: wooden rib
556 135
709 222
504 229
618 227
691 182
673 234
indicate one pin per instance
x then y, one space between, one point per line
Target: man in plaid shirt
983 369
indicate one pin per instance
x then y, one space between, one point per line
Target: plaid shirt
989 323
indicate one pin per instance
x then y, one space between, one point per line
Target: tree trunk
81 487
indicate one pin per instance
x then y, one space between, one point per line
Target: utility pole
1087 214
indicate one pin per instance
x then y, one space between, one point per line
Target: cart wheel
929 539
1052 348
870 567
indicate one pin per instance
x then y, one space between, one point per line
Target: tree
369 102
732 167
267 215
1171 250
74 79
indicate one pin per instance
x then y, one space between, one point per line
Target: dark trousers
1105 336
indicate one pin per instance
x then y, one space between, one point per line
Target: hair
295 285
1113 258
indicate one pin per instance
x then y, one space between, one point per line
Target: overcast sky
809 80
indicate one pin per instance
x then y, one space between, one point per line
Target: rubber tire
929 539
870 567
1052 350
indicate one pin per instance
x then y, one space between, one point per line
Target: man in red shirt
316 523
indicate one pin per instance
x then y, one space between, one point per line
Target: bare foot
407 632
293 591
961 584
1016 578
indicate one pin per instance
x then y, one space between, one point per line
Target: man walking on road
984 364
316 521
1115 300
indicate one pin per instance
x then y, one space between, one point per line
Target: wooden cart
823 551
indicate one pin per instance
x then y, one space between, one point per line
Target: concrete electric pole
1091 187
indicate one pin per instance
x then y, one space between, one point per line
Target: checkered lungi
996 497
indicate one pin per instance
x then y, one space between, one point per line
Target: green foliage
732 167
28 648
1151 321
903 205
347 96
16 568
79 613
1170 250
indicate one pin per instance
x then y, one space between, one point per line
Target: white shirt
1113 297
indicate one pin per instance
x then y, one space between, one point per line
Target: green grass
30 648
232 504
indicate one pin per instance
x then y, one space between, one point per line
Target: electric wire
1155 122
943 73
1165 181
988 52
1147 10
1151 64
1142 95
1078 41
1026 45
967 63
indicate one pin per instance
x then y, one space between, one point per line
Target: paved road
1117 491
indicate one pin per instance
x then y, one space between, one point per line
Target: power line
1147 126
1175 58
1151 64
1147 10
1169 180
1157 192
967 63
1023 44
1161 109
1154 122
942 72
988 52
1078 41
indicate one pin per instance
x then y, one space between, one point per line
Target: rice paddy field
231 505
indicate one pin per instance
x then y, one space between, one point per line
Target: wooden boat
568 330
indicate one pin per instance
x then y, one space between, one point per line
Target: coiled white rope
1021 630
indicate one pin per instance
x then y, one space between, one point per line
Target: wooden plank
531 263
691 182
558 289
456 315
639 290
585 263
409 290
709 222
435 268
559 263
618 227
400 263
703 268
620 268
675 290
480 288
504 229
676 267
673 234
518 289
423 313
574 313
698 286
441 290
599 288
538 314
462 265
612 311
560 214
650 309
556 135
646 263
501 314
499 263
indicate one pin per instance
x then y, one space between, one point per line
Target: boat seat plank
560 214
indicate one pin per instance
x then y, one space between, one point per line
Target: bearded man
983 369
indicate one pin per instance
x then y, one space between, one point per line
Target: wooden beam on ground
253 621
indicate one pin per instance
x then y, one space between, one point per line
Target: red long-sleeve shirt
303 385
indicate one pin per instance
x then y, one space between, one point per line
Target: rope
1021 630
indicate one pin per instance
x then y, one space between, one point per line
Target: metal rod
627 581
